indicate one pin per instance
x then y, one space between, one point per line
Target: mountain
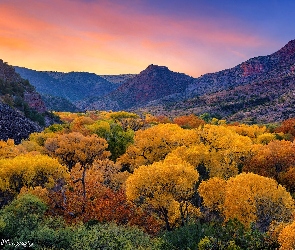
22 111
73 86
153 83
260 89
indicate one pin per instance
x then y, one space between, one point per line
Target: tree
74 148
118 139
8 149
272 160
22 216
286 237
153 144
287 127
250 198
252 131
189 121
29 170
165 186
228 150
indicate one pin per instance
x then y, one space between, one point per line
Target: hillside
73 86
118 79
14 125
22 111
56 103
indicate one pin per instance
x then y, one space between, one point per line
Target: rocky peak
155 67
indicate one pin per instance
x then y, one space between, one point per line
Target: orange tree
74 148
275 160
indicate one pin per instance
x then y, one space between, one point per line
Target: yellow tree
228 150
250 198
29 170
197 155
153 144
166 186
252 131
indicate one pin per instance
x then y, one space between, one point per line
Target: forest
117 180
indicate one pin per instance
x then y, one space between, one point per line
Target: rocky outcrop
14 125
22 111
35 101
7 73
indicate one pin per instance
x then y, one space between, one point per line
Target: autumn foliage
187 183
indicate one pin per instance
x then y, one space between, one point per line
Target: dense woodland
114 180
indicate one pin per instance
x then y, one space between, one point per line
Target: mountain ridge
156 89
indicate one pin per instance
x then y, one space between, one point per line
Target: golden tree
8 149
228 150
153 144
166 186
29 170
286 237
249 198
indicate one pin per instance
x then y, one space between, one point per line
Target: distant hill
73 86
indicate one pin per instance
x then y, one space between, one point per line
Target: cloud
110 37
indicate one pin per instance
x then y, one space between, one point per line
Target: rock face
153 83
14 125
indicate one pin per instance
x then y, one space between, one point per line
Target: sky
125 36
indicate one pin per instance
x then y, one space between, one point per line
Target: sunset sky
122 36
